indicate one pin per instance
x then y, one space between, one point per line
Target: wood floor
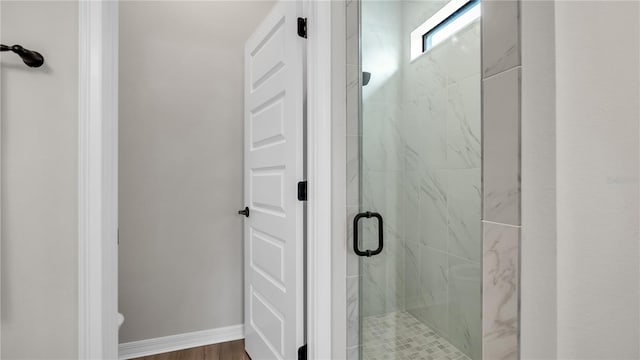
232 350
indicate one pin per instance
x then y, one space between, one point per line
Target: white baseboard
179 342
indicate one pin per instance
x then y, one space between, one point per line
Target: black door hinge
302 27
302 352
302 190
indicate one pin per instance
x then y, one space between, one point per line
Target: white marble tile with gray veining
382 141
382 192
353 311
412 275
416 12
353 353
464 124
500 322
460 54
431 306
352 18
398 268
433 209
353 170
353 260
394 258
464 199
353 177
501 148
380 17
374 286
465 327
381 47
410 220
500 36
383 284
353 100
424 109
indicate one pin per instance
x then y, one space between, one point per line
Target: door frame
98 318
319 176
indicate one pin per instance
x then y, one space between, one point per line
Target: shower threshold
400 336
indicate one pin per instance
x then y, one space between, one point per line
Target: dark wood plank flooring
232 350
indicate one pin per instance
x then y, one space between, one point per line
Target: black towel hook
29 57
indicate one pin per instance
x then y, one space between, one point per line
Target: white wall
181 136
581 147
39 186
597 77
580 247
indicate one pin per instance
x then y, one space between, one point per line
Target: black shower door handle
356 247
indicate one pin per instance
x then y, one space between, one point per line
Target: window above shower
453 17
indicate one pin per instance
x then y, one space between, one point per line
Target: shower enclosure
417 227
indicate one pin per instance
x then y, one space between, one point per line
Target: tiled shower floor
400 335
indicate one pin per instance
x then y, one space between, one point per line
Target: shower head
29 57
366 76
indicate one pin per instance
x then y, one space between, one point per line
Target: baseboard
179 342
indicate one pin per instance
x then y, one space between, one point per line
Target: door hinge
302 352
302 27
302 190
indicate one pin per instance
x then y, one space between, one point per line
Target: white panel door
273 148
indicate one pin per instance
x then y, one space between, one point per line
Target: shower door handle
356 246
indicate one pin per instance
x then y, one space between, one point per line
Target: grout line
502 224
501 72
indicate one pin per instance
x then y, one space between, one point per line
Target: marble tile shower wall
420 139
501 68
442 204
353 175
382 182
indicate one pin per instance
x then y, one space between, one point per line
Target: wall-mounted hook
29 57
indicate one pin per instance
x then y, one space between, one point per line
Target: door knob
244 211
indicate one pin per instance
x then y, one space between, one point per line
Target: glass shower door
418 233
